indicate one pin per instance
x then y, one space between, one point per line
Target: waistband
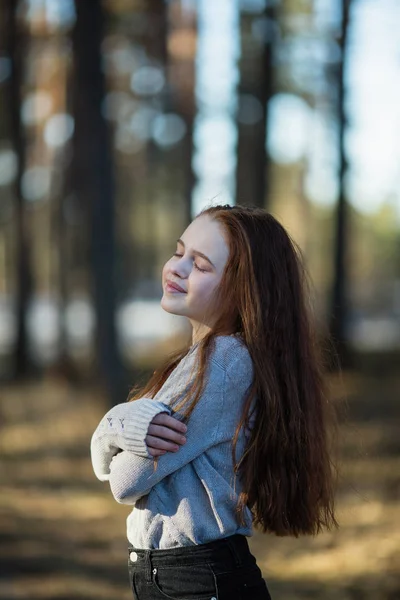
233 550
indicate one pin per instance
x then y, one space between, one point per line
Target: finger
156 452
166 433
168 421
160 444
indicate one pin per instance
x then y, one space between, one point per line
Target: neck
199 330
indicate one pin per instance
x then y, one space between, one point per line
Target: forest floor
62 536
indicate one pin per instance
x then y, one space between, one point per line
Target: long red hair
286 471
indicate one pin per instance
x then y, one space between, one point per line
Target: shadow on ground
62 536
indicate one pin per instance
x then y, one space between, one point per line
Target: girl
231 432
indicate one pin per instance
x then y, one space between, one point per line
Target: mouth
174 288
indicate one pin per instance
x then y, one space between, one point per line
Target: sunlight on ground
64 536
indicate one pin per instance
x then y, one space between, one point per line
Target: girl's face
196 268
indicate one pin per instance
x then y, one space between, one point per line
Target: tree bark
93 182
256 82
339 307
15 46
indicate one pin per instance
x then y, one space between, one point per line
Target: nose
180 268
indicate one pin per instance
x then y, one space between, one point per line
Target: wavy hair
286 471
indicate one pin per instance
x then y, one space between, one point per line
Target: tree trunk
339 289
255 91
15 46
93 182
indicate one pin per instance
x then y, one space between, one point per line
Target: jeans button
133 556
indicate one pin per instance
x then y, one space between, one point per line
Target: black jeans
221 570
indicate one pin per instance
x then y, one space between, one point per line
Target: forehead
206 235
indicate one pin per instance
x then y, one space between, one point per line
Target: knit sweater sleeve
133 476
124 427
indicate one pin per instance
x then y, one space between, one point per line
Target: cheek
202 288
166 269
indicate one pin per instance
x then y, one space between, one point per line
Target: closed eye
196 267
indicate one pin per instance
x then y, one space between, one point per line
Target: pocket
252 585
242 584
190 582
131 573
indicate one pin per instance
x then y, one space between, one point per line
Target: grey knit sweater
191 497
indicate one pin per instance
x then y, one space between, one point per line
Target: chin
164 306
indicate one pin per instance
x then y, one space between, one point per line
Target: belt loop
232 547
147 566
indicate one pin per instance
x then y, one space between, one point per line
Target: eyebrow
198 253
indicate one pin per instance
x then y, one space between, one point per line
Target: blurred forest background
119 121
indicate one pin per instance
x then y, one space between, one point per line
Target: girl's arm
213 421
124 427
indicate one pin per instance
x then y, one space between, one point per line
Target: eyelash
198 268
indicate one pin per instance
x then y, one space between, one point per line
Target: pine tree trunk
255 88
339 290
93 183
15 45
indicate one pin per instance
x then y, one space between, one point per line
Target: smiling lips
174 287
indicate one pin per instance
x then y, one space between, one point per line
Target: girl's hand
165 434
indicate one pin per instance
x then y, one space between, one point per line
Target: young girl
231 432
